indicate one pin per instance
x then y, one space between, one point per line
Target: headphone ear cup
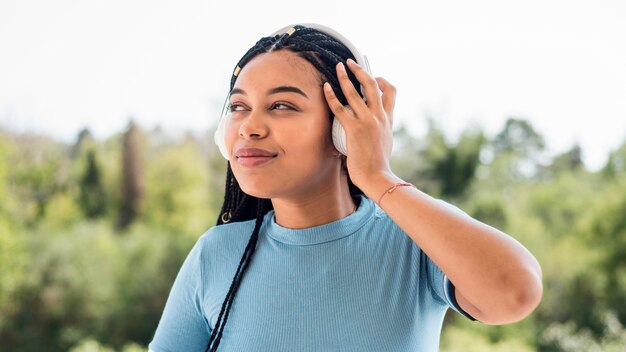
220 136
339 136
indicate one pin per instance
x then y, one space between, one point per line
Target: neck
316 209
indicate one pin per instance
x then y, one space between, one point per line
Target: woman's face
277 105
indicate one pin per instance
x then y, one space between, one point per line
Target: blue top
355 284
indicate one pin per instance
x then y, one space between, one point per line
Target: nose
253 126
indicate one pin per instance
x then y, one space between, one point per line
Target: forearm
496 278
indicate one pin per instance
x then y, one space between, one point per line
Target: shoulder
226 235
382 222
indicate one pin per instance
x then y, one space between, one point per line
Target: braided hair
324 52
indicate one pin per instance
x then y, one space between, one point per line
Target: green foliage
409 160
91 345
571 160
132 184
608 229
518 136
4 166
38 171
88 281
458 168
516 152
62 212
565 337
92 193
177 188
436 166
616 164
64 278
13 264
488 209
70 280
455 339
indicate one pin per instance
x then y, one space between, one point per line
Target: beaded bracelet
393 188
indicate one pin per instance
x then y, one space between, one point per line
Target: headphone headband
360 58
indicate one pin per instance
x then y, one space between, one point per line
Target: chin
256 192
259 186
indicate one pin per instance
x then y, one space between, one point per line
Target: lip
252 157
252 161
253 152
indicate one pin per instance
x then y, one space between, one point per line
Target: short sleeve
442 288
183 326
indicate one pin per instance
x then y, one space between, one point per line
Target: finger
349 91
389 95
370 86
337 108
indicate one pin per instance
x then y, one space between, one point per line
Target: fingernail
342 67
350 61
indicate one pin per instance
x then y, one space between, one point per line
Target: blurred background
513 111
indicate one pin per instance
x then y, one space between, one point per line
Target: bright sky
65 65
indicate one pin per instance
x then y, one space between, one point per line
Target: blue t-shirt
356 284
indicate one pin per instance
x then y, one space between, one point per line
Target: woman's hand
369 127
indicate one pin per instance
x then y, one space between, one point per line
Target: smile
252 161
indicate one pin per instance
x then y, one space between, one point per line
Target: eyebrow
276 90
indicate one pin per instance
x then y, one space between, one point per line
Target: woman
339 254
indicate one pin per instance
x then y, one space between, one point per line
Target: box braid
323 52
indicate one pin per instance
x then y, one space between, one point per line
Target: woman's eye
276 106
235 107
281 106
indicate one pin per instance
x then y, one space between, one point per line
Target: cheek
312 136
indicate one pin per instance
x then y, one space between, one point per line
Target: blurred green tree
517 150
177 186
132 176
435 165
616 165
39 170
92 193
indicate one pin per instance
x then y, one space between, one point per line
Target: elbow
526 299
518 302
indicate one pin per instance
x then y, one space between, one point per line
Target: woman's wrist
379 184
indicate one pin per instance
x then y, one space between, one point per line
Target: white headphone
338 133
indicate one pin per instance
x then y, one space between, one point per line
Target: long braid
219 327
253 240
323 52
216 335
